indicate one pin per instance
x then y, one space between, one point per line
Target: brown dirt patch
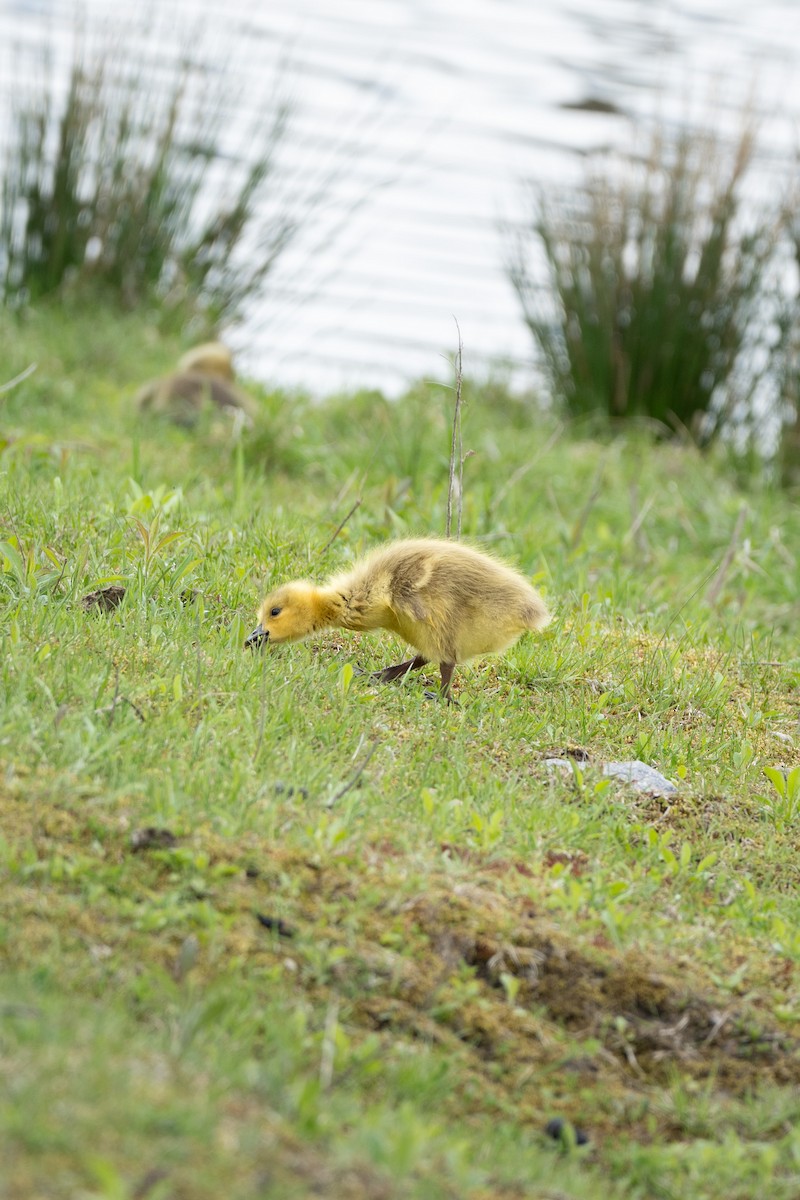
530 1005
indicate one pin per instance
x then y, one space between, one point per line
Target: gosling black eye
274 612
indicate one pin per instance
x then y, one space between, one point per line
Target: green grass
460 944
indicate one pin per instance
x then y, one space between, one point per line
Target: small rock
563 764
635 773
581 1064
559 1130
152 838
290 789
275 923
105 599
641 777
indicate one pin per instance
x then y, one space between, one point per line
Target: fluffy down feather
447 600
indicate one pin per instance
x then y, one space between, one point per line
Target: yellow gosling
210 358
447 600
205 375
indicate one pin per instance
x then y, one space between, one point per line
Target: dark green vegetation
136 182
668 292
267 929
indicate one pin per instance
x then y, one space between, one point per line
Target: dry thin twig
583 516
720 1019
639 511
148 1181
262 719
354 778
522 471
110 710
456 449
328 1051
718 582
339 529
6 387
347 485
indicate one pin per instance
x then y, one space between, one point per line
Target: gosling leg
446 670
400 670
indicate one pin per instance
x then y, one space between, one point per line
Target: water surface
430 114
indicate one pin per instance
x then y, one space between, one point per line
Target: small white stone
641 777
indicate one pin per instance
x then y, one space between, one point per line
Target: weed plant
660 300
130 180
270 929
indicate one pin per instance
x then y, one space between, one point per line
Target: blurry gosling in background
448 601
205 375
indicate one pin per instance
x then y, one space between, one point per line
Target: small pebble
557 1127
289 790
276 923
152 838
105 599
639 775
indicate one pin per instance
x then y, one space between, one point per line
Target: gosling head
288 614
212 358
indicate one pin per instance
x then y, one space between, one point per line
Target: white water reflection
452 103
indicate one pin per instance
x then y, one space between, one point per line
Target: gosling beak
257 637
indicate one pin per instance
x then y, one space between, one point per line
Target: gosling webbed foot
399 671
442 697
446 671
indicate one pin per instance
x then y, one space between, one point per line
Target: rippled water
446 107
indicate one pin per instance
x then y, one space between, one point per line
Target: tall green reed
138 179
660 294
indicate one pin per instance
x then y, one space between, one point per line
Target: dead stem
456 449
718 582
6 387
339 529
354 778
583 516
522 471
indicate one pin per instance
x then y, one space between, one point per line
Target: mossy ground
268 929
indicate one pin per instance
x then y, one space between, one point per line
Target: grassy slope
470 945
